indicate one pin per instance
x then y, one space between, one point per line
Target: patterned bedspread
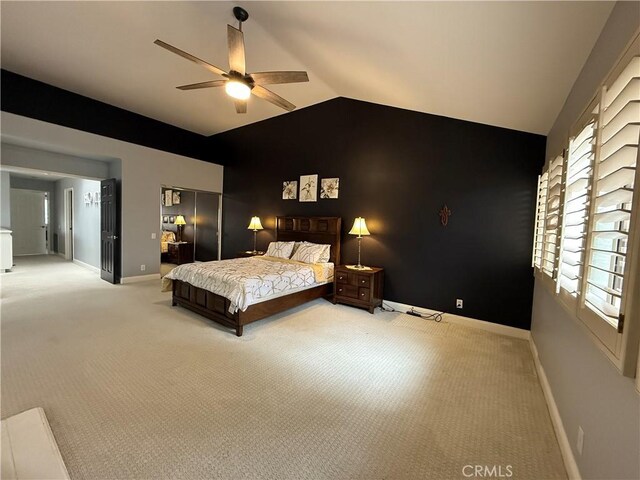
245 281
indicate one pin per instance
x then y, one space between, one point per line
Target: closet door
207 235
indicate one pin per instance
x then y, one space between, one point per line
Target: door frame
69 213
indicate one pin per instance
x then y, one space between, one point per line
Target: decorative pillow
168 236
309 253
279 249
325 250
295 247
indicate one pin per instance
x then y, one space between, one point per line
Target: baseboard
466 321
140 278
86 265
573 472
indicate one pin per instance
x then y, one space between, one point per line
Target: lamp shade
359 227
255 224
180 220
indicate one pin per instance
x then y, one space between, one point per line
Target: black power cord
387 308
436 317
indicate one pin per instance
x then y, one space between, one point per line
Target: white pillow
295 247
325 251
309 253
280 249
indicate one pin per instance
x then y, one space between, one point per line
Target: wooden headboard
326 230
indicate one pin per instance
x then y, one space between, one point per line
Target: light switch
153 236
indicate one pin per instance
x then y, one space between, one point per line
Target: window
552 215
587 239
576 196
614 183
541 209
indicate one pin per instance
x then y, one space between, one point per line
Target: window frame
622 349
565 297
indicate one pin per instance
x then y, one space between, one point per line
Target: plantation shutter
577 194
541 209
552 214
615 177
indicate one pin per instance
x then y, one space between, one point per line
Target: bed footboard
216 307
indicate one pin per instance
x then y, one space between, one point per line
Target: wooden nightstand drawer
342 277
364 294
364 281
347 291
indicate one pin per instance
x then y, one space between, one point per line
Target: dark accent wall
30 98
397 168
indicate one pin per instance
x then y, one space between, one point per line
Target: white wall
588 390
86 224
5 200
35 158
143 171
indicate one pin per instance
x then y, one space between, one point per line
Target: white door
28 222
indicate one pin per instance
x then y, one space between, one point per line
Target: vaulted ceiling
509 64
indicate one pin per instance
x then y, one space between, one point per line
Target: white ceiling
510 64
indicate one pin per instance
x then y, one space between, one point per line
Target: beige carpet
135 388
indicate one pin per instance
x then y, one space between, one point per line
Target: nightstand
249 253
359 288
180 253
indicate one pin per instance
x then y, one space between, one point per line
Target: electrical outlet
153 236
580 440
143 268
458 303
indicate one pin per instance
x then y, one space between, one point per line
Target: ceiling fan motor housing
241 14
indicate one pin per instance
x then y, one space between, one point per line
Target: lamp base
358 267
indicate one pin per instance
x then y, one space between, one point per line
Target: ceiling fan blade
235 38
212 83
269 96
188 56
241 106
271 78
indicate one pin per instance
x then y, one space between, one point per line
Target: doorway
68 223
29 222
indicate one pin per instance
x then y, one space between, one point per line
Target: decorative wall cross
444 215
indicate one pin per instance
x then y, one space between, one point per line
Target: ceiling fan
237 82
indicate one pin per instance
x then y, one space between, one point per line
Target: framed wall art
329 187
309 188
290 190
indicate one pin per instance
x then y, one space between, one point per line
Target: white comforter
245 281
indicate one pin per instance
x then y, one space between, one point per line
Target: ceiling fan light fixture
237 89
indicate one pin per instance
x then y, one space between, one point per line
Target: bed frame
325 230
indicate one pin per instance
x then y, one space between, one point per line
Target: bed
229 311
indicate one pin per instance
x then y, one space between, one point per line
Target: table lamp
359 228
255 225
179 221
